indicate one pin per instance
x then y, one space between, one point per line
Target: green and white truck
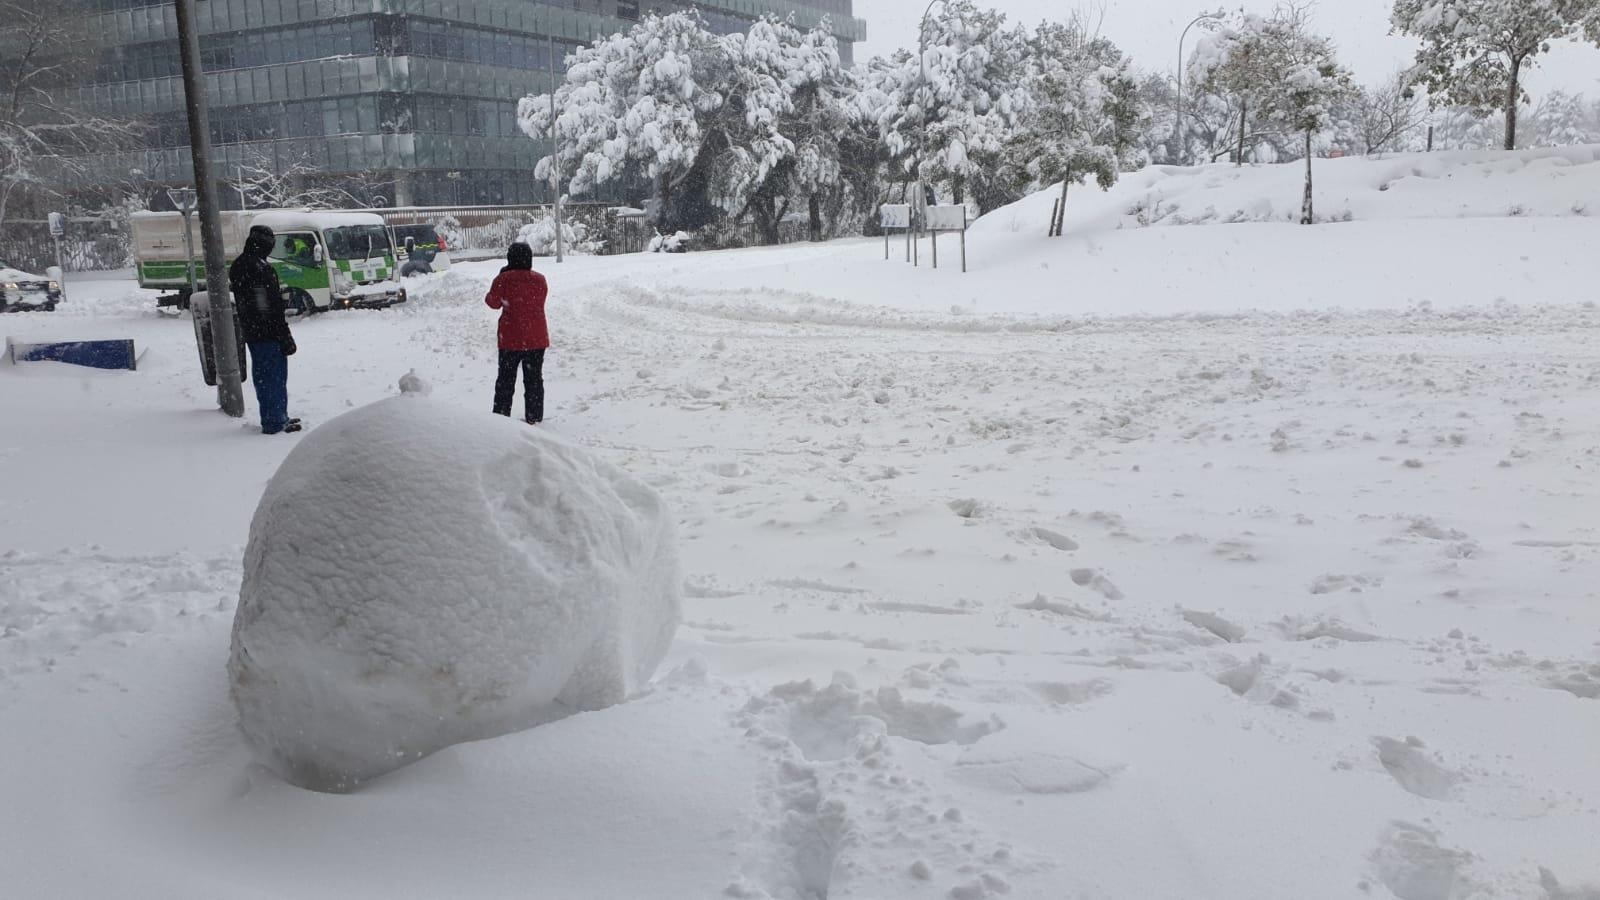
324 260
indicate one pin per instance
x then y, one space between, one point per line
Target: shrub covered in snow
419 575
677 242
541 236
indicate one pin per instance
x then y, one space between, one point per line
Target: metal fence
89 244
100 243
493 228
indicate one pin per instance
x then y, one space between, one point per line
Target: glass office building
412 100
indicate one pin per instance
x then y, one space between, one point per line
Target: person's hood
519 258
260 242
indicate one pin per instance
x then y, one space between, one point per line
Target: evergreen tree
1081 117
634 101
945 116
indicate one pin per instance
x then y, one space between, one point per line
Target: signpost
183 200
892 216
948 218
932 218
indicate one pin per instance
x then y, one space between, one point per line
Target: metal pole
188 250
555 156
934 233
963 241
230 393
1182 148
61 269
922 134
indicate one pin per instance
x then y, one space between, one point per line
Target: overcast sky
1149 29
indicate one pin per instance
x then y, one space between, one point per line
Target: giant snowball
420 575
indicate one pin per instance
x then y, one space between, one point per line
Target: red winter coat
519 294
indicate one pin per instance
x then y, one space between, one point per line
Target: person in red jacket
519 293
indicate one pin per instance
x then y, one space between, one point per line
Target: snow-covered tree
1236 62
944 116
747 156
1285 71
1460 128
42 137
786 129
1474 52
1310 88
1563 120
825 125
1081 113
745 125
635 101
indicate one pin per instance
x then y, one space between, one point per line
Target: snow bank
420 575
1560 182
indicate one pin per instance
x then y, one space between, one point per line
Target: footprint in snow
1031 772
1413 770
1410 862
1217 625
1096 581
1072 693
1051 538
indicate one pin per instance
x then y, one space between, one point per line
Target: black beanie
261 241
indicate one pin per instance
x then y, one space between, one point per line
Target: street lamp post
230 392
1179 144
555 156
920 202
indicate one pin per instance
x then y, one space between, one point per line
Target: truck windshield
352 242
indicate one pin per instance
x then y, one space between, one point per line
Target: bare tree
43 139
291 184
1387 114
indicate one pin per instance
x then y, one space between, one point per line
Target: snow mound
418 576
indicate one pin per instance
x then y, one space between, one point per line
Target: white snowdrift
419 575
1552 183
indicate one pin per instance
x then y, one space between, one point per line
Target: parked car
422 250
21 292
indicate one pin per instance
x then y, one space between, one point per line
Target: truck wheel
300 303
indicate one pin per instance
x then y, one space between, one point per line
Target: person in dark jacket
264 329
519 293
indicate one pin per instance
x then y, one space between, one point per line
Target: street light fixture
1181 145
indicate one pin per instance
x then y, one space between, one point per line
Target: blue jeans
269 372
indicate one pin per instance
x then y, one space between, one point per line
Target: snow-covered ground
1243 561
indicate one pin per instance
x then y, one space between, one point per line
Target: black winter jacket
257 295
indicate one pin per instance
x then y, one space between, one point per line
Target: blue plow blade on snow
93 354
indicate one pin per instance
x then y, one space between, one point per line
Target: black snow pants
531 362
